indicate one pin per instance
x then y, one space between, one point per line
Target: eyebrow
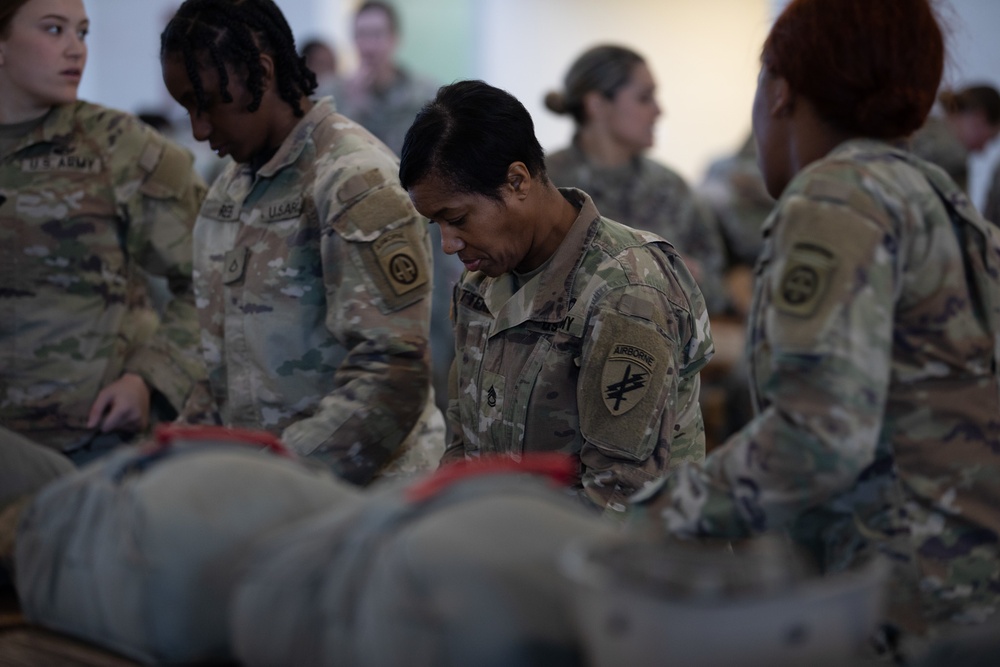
64 19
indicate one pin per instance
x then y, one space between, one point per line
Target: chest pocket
69 234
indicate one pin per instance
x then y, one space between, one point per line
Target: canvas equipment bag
136 552
459 569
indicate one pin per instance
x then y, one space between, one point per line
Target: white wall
704 54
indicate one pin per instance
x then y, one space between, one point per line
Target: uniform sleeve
455 450
827 317
376 268
991 211
163 199
637 396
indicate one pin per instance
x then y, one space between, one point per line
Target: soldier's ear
519 179
267 74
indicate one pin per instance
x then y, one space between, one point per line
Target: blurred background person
875 329
311 266
734 190
381 94
575 333
968 120
91 201
321 59
610 93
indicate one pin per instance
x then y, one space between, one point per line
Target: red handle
167 433
559 468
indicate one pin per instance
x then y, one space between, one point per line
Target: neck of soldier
602 149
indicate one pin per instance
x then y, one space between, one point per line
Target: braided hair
237 32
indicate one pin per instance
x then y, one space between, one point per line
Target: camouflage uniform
874 340
649 196
734 190
389 113
597 356
311 276
936 143
991 211
91 200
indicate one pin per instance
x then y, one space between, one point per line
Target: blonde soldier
573 333
875 332
311 266
90 199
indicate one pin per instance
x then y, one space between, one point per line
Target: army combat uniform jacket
650 196
312 276
596 356
874 344
91 199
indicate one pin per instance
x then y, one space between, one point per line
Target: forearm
359 426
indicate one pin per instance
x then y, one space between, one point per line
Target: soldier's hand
122 405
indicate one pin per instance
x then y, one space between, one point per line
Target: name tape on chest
80 164
286 209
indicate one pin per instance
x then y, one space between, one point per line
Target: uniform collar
546 297
57 128
293 145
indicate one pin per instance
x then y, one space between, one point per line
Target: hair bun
556 102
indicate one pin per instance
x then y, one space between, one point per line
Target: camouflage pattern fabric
874 341
312 278
991 211
91 202
734 189
596 356
647 195
389 113
936 143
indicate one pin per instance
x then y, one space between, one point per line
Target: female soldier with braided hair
311 265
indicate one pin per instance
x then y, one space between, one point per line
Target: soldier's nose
450 242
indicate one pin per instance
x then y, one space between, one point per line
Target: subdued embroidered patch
627 372
625 386
398 265
806 280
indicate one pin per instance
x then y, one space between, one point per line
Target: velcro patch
377 211
625 385
400 264
55 162
171 174
805 280
285 209
627 373
359 184
235 265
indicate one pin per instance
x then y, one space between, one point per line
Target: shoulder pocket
627 382
168 168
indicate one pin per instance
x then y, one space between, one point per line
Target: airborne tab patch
625 377
805 280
